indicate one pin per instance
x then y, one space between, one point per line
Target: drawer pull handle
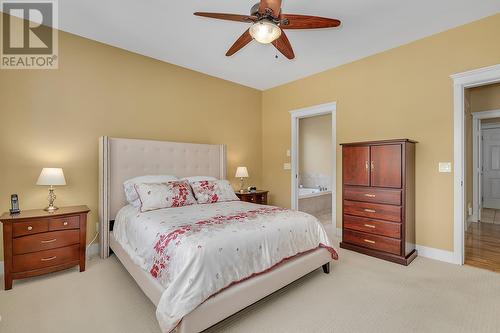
366 165
65 223
369 226
48 259
369 210
370 195
369 241
373 166
30 228
49 241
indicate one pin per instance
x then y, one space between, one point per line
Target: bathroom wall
315 151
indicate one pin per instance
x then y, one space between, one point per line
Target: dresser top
38 213
379 142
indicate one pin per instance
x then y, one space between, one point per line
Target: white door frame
477 161
461 81
317 110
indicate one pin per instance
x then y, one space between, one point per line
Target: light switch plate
444 166
287 166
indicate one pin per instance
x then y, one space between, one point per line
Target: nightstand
37 242
257 197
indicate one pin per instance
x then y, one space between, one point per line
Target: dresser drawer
379 243
45 241
371 210
62 223
42 259
29 227
371 194
377 227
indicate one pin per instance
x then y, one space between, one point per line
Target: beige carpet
361 294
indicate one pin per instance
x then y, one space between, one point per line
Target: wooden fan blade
283 45
240 42
274 5
229 17
307 22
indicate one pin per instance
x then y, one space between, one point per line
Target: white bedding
197 251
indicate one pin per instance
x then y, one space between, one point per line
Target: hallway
482 242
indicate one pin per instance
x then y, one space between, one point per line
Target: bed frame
122 159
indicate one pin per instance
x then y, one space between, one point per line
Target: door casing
296 115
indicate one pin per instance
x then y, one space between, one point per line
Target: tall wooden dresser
378 199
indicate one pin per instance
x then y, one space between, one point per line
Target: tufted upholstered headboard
122 159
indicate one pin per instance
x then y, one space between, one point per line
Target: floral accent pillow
129 186
210 191
164 195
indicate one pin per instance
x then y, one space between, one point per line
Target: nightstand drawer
258 197
45 241
42 259
29 227
62 223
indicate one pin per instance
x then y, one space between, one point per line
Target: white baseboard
436 254
92 251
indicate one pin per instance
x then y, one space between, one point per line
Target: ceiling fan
268 24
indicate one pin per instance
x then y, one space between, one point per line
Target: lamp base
51 198
242 190
51 208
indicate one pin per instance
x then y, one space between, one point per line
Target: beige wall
403 92
54 118
315 143
491 121
484 98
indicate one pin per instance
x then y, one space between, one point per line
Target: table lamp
241 172
51 177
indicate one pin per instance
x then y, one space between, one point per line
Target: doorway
462 82
482 176
313 161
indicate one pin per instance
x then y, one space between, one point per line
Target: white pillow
131 193
193 179
210 191
164 195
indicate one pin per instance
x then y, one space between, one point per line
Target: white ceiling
168 31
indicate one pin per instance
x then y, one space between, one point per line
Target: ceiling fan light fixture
265 31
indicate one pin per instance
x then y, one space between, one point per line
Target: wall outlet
287 166
444 166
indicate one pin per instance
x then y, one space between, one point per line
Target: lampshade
265 31
51 176
241 172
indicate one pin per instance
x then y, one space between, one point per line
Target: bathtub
311 192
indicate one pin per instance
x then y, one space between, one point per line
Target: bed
193 305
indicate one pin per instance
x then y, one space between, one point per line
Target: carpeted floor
361 294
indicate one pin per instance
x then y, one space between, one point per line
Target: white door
491 168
